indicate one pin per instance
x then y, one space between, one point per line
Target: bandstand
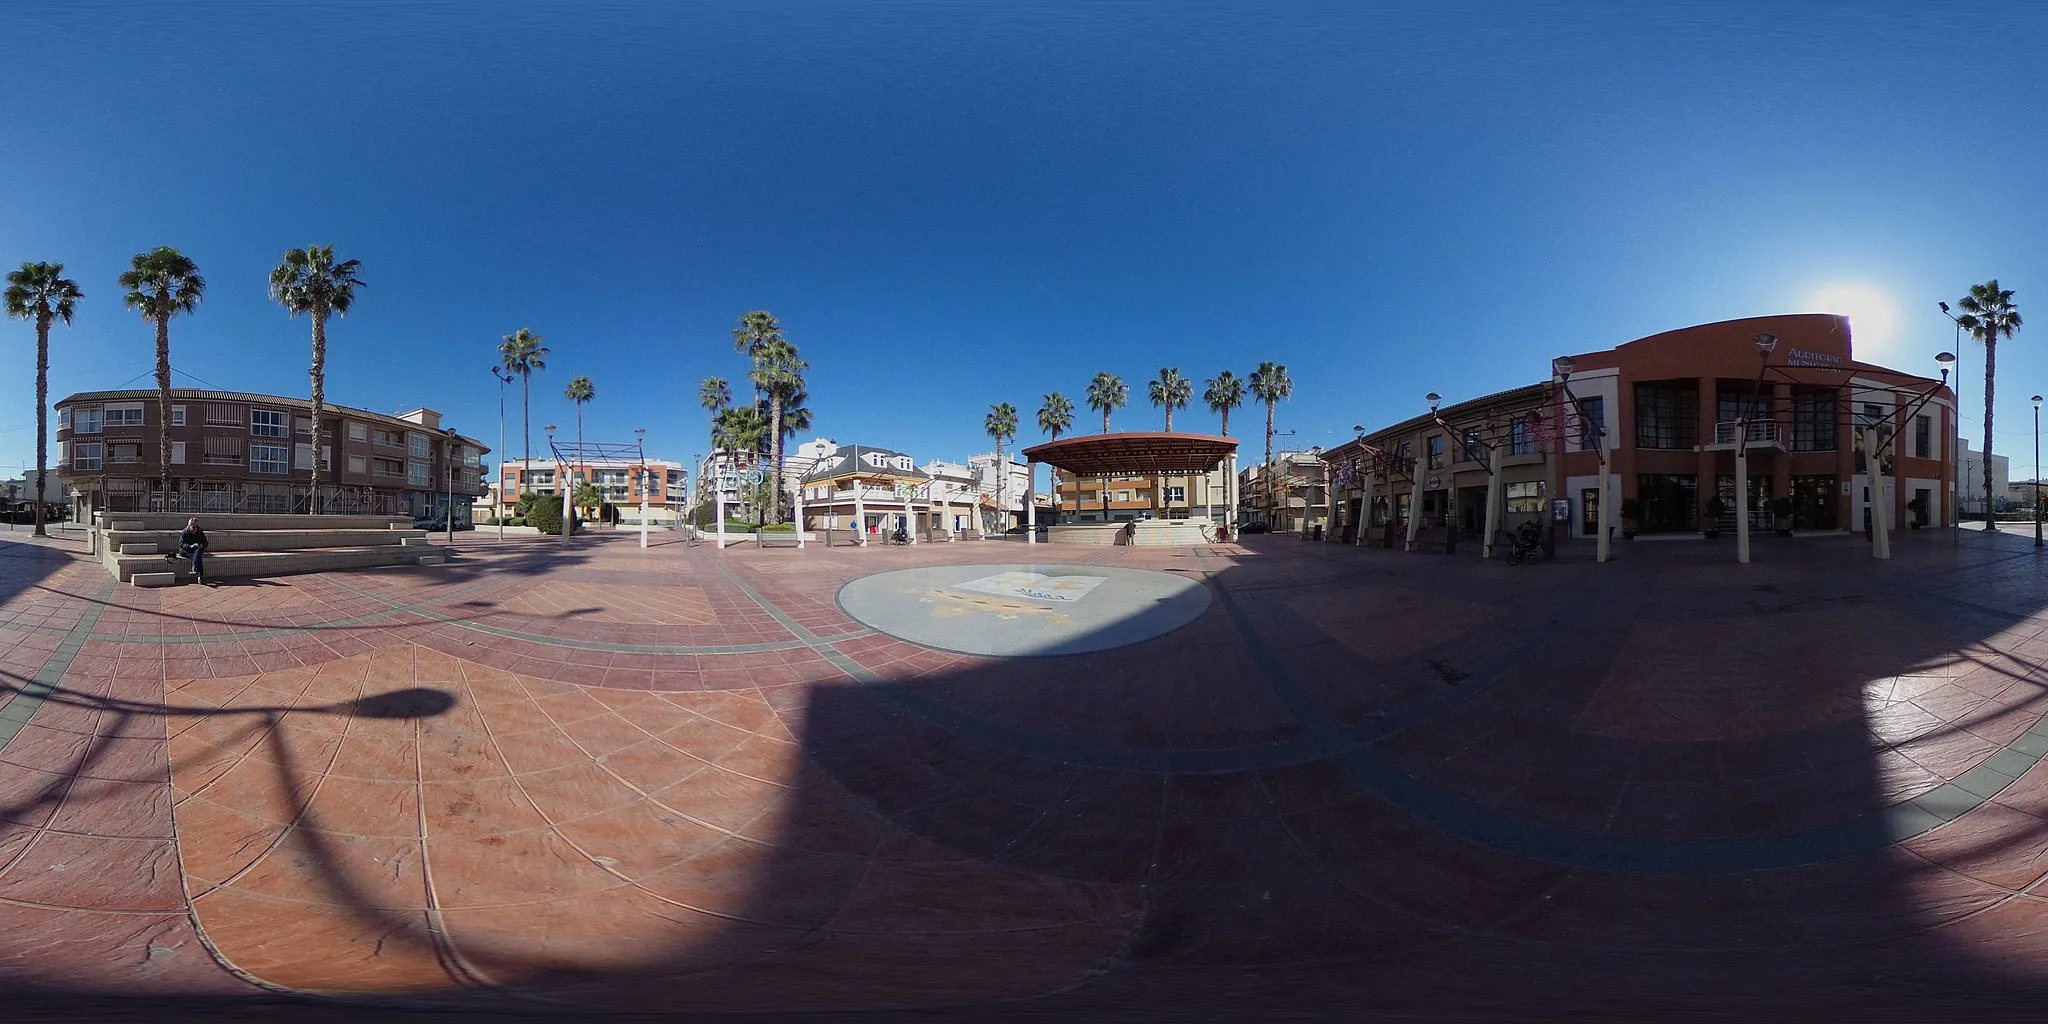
1152 454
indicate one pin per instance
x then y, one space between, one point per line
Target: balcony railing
1757 431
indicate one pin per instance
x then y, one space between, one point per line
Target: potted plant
1712 527
1781 515
1631 514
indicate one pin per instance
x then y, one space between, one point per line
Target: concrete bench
154 579
775 538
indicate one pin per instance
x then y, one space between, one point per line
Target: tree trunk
1169 417
43 415
163 395
1105 419
526 429
319 374
1226 421
1268 472
1990 382
775 451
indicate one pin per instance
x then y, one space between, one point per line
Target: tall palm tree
579 393
40 292
1056 415
1988 314
740 428
1226 392
1001 424
777 372
755 331
715 395
1270 385
162 283
1172 391
309 281
1107 392
522 353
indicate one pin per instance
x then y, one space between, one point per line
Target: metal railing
1757 431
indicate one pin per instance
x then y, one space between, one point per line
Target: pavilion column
860 514
1364 512
1414 508
1493 503
1031 502
799 518
1230 494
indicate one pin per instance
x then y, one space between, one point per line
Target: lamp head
1765 342
1432 398
1562 366
1943 305
2037 401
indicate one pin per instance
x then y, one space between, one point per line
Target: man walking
192 545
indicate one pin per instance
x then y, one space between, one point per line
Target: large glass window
1592 422
1813 421
1436 451
269 458
1732 401
1525 497
87 421
268 423
85 455
1670 502
1868 415
1521 437
1923 438
1473 449
418 445
1667 416
124 414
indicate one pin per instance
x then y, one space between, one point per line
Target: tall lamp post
1957 354
640 440
1765 344
504 378
2037 471
448 470
565 478
1953 502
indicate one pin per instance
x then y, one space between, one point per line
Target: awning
1140 454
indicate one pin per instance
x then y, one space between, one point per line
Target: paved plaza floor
992 780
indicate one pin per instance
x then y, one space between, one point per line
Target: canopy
1138 454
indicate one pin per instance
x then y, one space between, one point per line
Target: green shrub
545 518
779 528
516 521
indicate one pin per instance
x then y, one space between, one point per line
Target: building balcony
1758 433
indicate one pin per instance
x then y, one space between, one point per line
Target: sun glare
1874 319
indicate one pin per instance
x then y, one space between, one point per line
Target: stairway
247 546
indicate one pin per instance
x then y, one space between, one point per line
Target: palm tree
739 428
309 281
1107 392
756 329
715 395
579 393
1001 424
522 353
587 496
161 284
1988 314
1270 385
40 292
777 373
1056 415
1226 392
1172 391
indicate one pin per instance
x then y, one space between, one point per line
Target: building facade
619 483
241 452
869 490
1972 482
1119 499
1662 418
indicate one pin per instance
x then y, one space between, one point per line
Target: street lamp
1563 366
448 470
504 378
1989 523
1953 501
1766 343
2037 471
640 441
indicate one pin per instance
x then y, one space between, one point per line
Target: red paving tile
1169 825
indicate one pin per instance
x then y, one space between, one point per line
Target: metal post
568 510
1415 498
718 489
501 453
1601 546
1031 503
1742 491
2037 471
860 514
448 453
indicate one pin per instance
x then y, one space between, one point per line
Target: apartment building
240 452
619 482
1294 497
1122 498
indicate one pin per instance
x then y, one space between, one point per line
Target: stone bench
775 538
248 564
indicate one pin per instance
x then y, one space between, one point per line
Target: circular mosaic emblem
1024 610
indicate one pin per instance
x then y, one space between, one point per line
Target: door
1813 503
1589 512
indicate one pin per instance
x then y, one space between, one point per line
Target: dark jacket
192 537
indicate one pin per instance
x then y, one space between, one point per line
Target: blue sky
950 205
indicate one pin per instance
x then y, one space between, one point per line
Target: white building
956 488
1007 487
1972 482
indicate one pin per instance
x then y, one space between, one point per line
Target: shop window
1525 498
1813 421
1667 416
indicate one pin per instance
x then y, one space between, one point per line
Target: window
1436 451
1407 450
63 418
88 422
1670 502
1923 438
1813 421
1176 494
1474 450
127 454
219 414
1732 400
541 476
303 424
388 467
223 451
388 438
177 453
358 465
302 456
417 475
267 423
358 431
1667 416
268 458
1123 496
1525 497
1871 414
124 414
177 415
1592 422
1521 437
85 455
418 445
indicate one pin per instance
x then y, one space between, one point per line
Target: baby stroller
1526 543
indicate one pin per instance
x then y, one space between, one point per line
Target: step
252 521
265 540
147 547
244 564
154 579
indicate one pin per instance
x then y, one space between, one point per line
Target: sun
1874 319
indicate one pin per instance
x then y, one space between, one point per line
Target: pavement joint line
29 699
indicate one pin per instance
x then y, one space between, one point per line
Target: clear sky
954 204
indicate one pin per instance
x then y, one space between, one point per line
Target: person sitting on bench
192 545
